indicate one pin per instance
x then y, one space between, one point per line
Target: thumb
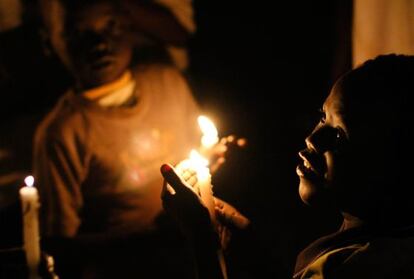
172 177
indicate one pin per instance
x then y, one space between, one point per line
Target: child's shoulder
156 70
66 116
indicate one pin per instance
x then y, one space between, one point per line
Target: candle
197 163
200 165
30 205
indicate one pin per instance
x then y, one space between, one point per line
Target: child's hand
182 202
229 218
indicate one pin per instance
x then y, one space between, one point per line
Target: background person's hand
223 149
47 267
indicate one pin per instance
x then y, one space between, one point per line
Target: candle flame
209 130
199 164
29 180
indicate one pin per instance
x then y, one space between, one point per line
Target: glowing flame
29 180
200 165
209 130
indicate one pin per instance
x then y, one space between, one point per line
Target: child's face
318 170
350 154
94 44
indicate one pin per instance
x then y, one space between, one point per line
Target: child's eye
340 135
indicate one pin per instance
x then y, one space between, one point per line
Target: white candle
200 164
206 190
31 239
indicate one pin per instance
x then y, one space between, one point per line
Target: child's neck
100 91
351 221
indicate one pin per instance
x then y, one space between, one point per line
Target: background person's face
94 44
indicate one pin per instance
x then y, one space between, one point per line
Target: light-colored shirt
97 168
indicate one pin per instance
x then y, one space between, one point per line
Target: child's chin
311 193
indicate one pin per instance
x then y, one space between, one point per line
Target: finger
232 218
230 138
191 172
218 202
241 142
192 181
167 189
217 164
189 175
172 177
240 221
185 174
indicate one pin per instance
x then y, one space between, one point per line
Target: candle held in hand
31 239
197 163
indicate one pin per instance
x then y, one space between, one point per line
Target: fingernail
166 168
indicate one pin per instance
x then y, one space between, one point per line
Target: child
357 162
97 152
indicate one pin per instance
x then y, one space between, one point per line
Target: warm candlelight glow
210 134
200 165
29 181
197 163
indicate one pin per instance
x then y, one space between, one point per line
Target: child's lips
305 170
311 164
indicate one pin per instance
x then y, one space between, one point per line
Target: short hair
385 85
386 82
387 77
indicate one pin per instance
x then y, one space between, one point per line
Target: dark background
261 69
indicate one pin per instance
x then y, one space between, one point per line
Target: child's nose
321 139
96 42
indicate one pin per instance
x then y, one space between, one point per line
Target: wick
29 180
